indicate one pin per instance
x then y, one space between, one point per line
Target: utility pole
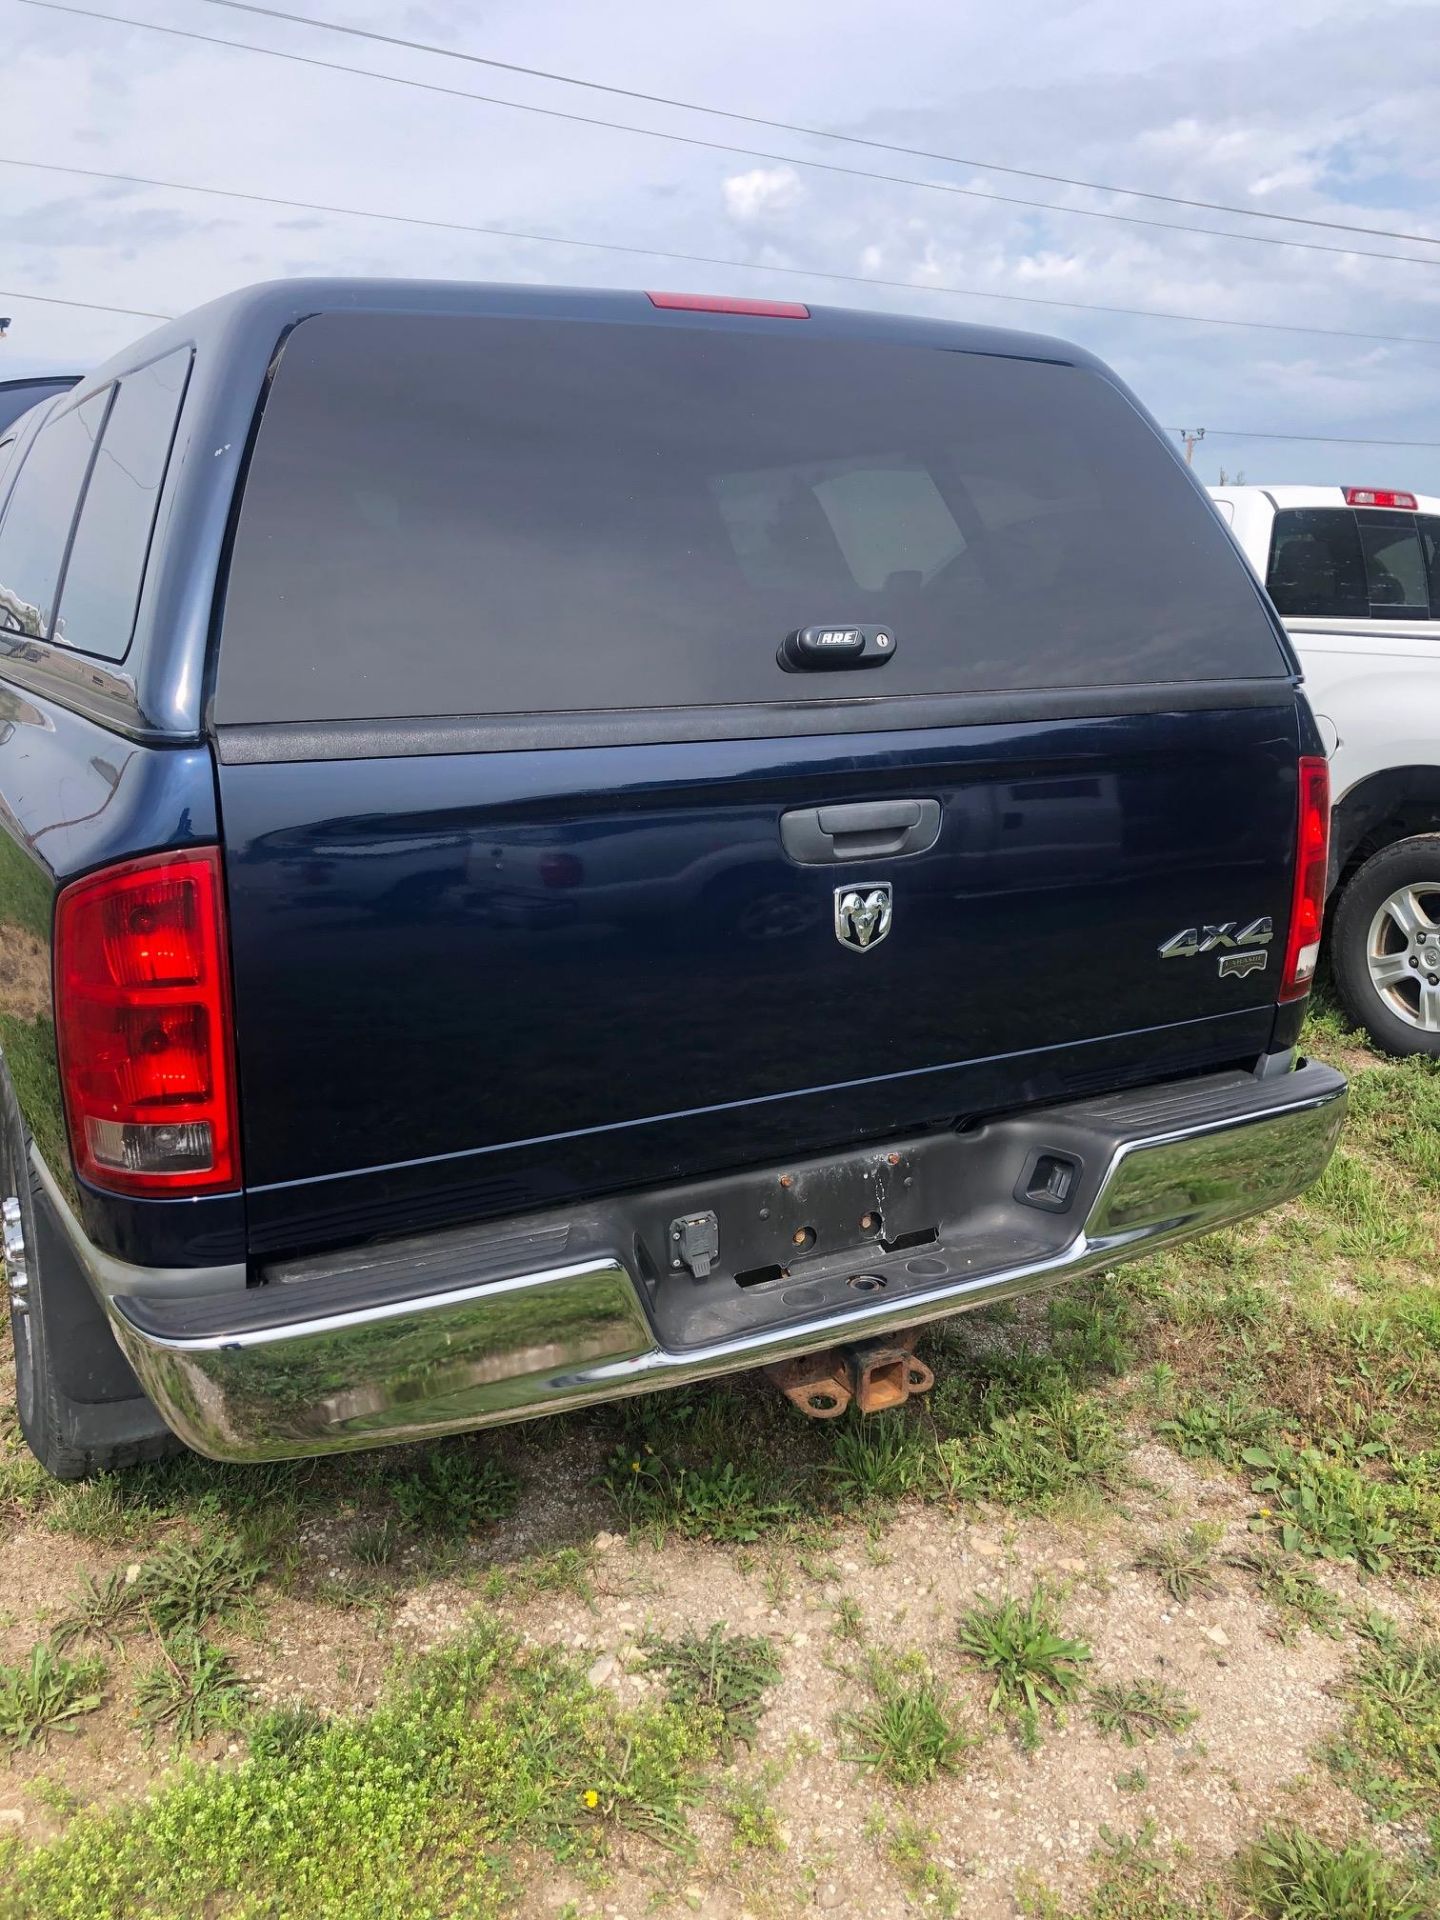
1190 435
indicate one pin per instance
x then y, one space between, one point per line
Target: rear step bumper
451 1332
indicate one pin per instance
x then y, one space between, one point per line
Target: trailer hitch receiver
873 1374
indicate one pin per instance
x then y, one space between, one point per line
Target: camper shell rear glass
454 515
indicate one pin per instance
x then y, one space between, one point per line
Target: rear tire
53 1313
1385 946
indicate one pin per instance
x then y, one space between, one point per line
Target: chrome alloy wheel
17 1279
1402 953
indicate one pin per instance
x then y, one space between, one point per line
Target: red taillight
1312 860
726 303
1378 497
143 1026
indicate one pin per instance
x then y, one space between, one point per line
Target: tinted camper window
452 515
36 527
101 588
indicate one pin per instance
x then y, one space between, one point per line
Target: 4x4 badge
1192 940
863 915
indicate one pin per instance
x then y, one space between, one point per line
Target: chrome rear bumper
1172 1162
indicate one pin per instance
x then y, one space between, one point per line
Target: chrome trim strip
109 1275
543 1342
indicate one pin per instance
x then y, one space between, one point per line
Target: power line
714 260
720 146
90 306
1325 439
816 133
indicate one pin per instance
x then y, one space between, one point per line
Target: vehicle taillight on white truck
144 1028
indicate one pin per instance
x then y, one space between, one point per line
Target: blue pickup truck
558 843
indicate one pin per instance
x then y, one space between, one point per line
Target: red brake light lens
725 303
1378 497
144 1028
1312 861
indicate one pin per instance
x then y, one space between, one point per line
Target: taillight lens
1312 861
1379 497
143 1026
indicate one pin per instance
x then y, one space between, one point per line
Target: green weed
753 1816
484 1748
453 1491
1035 1457
45 1694
1289 1586
907 1731
877 1458
1290 1875
191 1690
187 1587
1139 1709
722 1677
1184 1565
1218 1429
1390 1749
101 1612
909 1848
376 1543
1032 1663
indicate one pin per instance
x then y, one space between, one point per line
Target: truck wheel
90 1415
1385 946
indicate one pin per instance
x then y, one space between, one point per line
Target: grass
1033 1665
565 1570
376 1543
910 1850
1139 1709
729 1502
1389 1751
722 1677
1291 1588
1290 1875
47 1694
1135 1881
453 1491
847 1621
478 1751
908 1731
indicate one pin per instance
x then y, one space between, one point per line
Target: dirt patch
24 975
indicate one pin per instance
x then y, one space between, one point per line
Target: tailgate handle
861 830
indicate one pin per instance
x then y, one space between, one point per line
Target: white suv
1355 575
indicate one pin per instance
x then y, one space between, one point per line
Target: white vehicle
1354 573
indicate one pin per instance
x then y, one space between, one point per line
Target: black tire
1363 933
80 1408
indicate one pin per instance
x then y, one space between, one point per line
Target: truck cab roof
1280 498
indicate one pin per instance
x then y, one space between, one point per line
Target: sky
1307 107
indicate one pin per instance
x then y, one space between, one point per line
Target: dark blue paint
471 984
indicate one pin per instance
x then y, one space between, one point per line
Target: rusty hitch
873 1374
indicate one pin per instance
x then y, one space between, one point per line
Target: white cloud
1302 101
761 192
